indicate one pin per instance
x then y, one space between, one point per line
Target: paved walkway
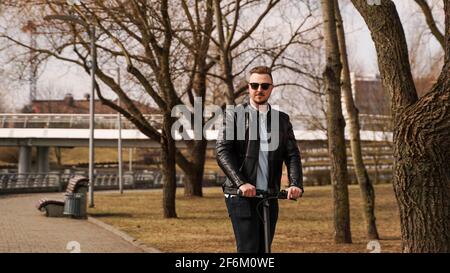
24 229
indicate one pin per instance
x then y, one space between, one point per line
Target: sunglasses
255 85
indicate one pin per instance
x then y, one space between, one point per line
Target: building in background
372 99
69 105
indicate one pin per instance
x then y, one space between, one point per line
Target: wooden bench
55 208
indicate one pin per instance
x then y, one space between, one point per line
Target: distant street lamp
91 27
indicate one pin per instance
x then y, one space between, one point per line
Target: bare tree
228 41
426 62
166 56
241 39
142 36
197 40
335 126
367 191
426 10
224 44
421 133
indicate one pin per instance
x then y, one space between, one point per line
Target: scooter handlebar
262 194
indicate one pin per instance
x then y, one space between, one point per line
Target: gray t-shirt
262 177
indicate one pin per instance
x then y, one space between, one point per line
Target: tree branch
431 22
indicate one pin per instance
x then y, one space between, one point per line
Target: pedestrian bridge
72 130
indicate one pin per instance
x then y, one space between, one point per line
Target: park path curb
124 236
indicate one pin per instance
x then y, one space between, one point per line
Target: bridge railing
71 121
109 121
55 181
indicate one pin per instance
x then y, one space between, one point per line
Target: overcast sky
62 76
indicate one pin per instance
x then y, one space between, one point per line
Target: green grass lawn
203 224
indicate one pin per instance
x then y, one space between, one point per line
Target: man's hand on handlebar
294 192
248 190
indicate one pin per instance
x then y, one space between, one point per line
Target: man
251 163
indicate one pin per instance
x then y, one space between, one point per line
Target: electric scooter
265 196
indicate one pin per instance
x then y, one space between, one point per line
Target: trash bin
75 205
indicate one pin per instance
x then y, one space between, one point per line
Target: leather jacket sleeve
225 154
292 159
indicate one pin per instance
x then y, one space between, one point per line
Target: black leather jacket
238 157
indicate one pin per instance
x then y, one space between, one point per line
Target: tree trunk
335 127
225 55
376 166
58 156
197 151
194 176
366 187
197 148
421 174
168 168
421 134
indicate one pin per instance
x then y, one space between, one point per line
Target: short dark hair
262 70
